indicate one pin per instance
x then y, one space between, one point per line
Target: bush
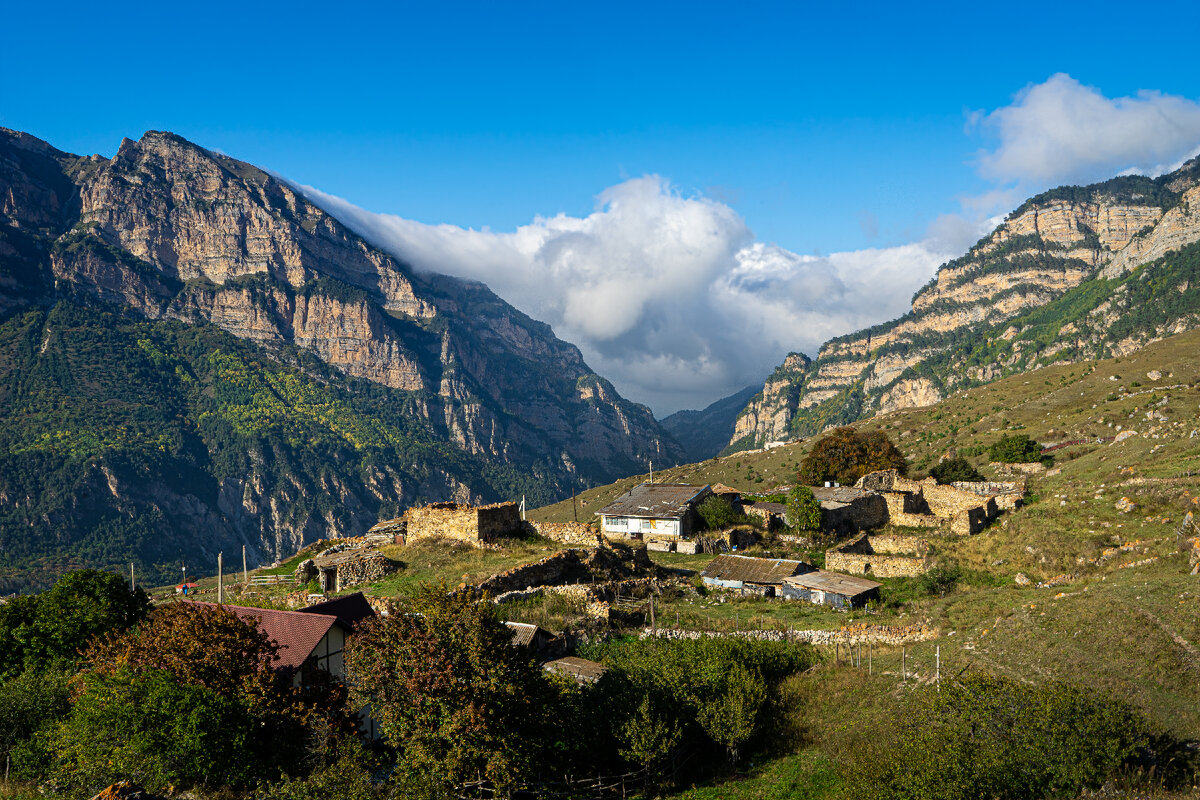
1018 449
718 513
845 455
955 469
990 737
803 509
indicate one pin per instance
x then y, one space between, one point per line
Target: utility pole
574 508
652 470
132 580
522 508
245 572
220 579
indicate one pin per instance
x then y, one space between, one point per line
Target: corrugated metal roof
524 633
578 668
655 501
752 570
834 582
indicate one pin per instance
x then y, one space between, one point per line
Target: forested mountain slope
195 357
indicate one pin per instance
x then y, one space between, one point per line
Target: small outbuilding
830 589
526 634
753 576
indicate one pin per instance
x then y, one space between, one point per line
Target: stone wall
879 556
577 534
1033 468
576 565
870 511
462 523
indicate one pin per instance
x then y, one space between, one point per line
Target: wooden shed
830 589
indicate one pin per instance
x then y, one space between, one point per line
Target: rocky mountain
194 357
1075 273
705 433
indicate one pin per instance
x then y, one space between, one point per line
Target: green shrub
1016 449
718 513
955 469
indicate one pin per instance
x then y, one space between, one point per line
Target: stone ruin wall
365 569
877 556
462 523
861 514
576 534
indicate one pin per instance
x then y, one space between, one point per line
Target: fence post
938 672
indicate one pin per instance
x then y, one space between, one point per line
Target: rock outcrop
1065 278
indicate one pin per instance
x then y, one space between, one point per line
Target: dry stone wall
577 534
475 525
880 556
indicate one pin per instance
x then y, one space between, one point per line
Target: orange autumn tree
845 455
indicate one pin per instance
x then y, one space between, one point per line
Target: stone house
660 513
476 525
340 567
928 504
831 589
751 576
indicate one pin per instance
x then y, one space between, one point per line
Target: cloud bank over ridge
667 295
670 296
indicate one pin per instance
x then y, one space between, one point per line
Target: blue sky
824 130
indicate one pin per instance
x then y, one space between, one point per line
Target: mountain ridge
1069 250
167 233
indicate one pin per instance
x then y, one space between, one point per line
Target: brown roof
779 509
833 582
655 501
752 570
347 556
580 669
720 488
297 633
349 610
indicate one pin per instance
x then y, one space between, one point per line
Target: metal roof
580 669
655 501
525 633
752 570
833 582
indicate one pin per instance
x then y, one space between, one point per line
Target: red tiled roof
297 633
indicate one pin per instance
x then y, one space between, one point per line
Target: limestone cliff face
172 232
974 321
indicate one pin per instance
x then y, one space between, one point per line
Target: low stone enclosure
965 508
344 565
883 556
607 581
476 525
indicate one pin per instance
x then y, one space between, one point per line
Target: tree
450 692
845 455
649 737
717 513
730 717
51 629
803 509
1018 449
189 697
955 469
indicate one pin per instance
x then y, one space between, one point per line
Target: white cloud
667 295
1061 131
